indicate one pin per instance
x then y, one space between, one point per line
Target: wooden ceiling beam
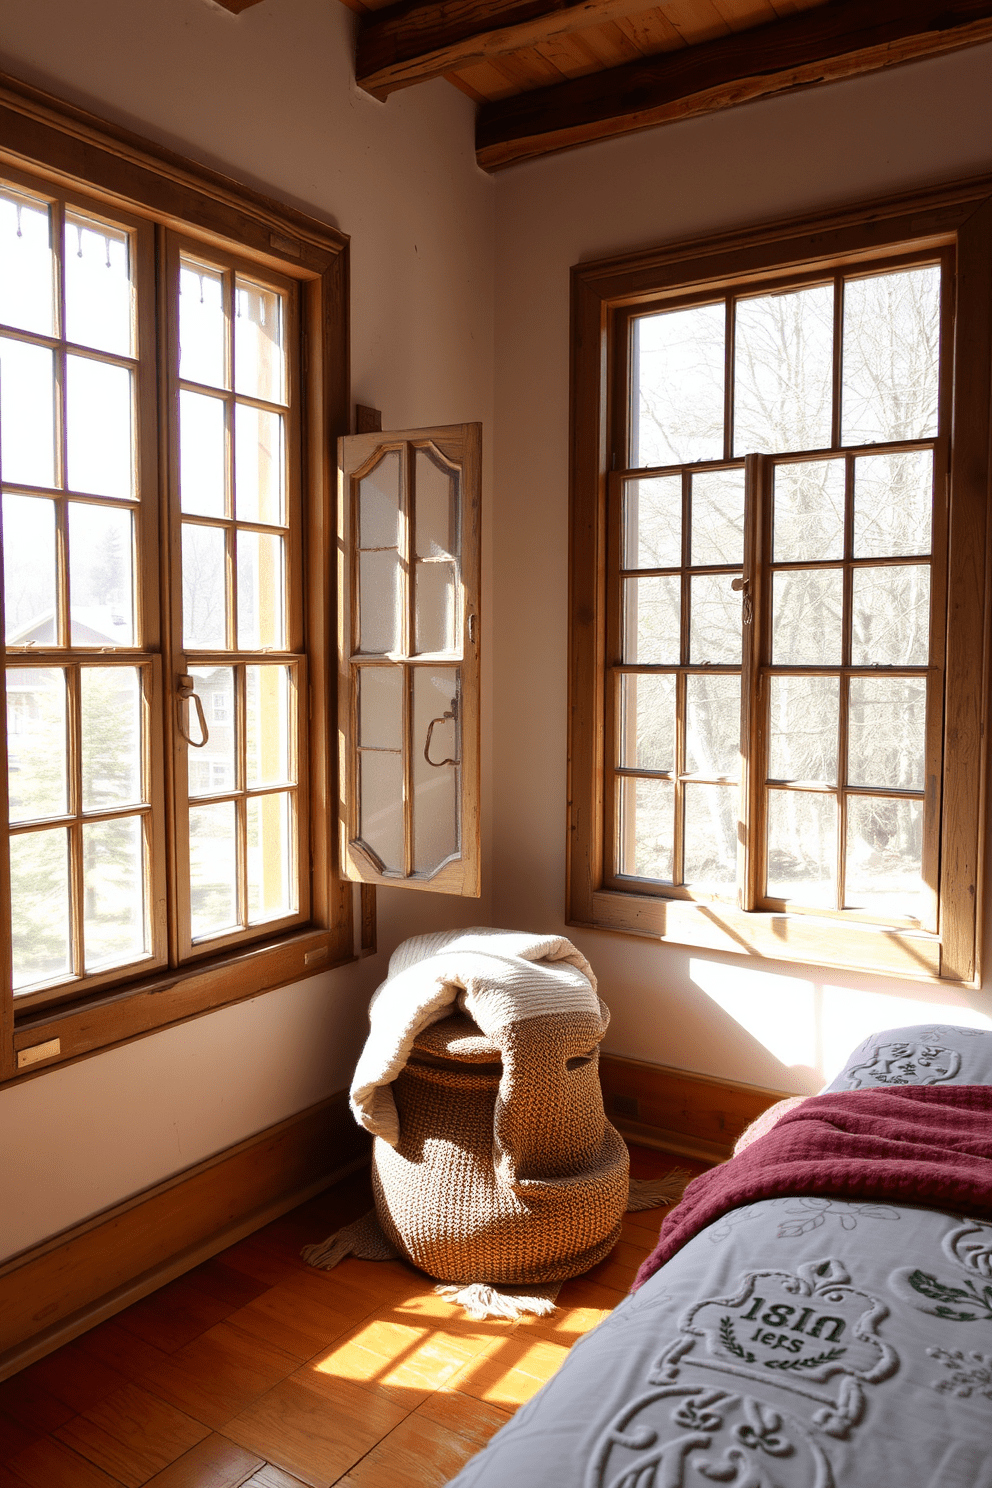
420 39
837 40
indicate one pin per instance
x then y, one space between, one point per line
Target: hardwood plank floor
256 1371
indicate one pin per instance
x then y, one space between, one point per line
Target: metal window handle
452 713
186 694
741 584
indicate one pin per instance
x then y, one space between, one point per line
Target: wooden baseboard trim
689 1115
74 1280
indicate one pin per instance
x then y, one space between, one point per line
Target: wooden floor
255 1369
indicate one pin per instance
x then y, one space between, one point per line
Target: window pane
27 413
435 785
261 591
380 813
98 291
802 847
99 449
884 855
891 352
806 617
212 869
887 732
27 270
268 701
677 397
893 504
36 742
39 900
202 325
652 620
258 342
101 586
710 837
202 455
380 590
114 914
783 371
713 725
435 507
110 705
652 522
29 570
271 858
714 619
891 616
647 828
258 465
380 707
434 616
379 504
804 716
809 511
212 768
718 516
647 722
204 588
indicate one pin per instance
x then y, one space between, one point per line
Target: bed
836 1335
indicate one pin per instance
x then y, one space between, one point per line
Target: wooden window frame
956 218
48 144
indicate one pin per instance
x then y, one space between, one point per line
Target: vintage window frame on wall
951 225
168 203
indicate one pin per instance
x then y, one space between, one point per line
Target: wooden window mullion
757 471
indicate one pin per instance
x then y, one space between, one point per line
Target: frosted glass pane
110 705
891 616
36 742
647 722
380 588
676 410
809 511
204 588
435 612
652 522
99 444
29 570
435 787
891 356
101 584
711 837
715 610
804 714
27 269
647 828
380 707
884 856
269 696
202 325
652 620
717 517
271 858
213 869
379 504
259 355
261 592
202 455
713 725
259 460
806 617
802 847
893 504
783 371
114 914
887 732
98 288
435 507
27 413
39 900
380 808
212 768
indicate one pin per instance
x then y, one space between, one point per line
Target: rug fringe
364 1239
480 1300
653 1193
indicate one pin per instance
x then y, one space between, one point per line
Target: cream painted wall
267 97
756 1021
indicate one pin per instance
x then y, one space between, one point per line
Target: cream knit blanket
496 977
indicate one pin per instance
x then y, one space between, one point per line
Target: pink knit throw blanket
916 1144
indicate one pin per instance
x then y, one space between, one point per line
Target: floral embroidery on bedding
908 1062
812 1212
955 1298
971 1373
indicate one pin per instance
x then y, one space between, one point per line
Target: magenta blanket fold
917 1144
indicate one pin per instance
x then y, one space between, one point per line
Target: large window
787 473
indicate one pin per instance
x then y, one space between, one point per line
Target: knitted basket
506 1170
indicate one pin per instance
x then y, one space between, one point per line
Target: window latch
186 694
452 713
743 585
